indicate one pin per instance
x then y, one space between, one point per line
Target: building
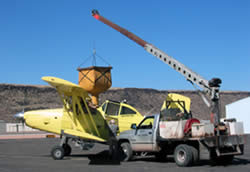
241 111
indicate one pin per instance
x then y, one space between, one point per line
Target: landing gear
67 149
64 149
57 153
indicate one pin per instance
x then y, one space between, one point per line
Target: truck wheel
195 154
183 155
126 151
57 153
67 149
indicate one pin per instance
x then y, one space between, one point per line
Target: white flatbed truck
187 148
225 139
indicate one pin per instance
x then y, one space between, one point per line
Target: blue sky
53 37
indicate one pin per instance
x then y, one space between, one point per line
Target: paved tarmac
33 155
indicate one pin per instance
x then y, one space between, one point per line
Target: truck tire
195 153
126 151
183 155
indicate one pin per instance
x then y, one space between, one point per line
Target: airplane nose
29 118
19 116
26 115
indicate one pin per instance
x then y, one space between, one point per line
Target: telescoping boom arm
209 87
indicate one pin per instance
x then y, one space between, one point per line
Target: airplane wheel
67 149
57 153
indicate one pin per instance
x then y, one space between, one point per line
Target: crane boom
210 87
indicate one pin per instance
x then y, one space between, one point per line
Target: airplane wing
83 135
85 122
64 86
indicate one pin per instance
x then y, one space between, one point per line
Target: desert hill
15 98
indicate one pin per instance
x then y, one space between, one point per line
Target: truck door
143 138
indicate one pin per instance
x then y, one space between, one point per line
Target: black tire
57 153
67 149
126 151
195 153
183 155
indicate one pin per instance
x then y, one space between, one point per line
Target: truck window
112 109
126 110
147 123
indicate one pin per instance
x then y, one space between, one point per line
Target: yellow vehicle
177 101
122 113
175 108
78 120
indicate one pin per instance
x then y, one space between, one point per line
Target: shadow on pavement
236 161
103 158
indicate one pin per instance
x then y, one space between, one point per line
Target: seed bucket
95 80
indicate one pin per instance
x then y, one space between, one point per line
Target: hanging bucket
95 80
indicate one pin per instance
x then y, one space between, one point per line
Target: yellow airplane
77 120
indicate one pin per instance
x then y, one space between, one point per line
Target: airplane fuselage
49 120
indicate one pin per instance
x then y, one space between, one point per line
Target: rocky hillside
15 98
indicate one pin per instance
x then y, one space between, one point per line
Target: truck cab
142 137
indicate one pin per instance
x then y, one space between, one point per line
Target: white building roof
241 111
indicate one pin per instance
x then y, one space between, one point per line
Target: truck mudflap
225 145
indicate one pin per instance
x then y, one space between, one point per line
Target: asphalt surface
29 155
